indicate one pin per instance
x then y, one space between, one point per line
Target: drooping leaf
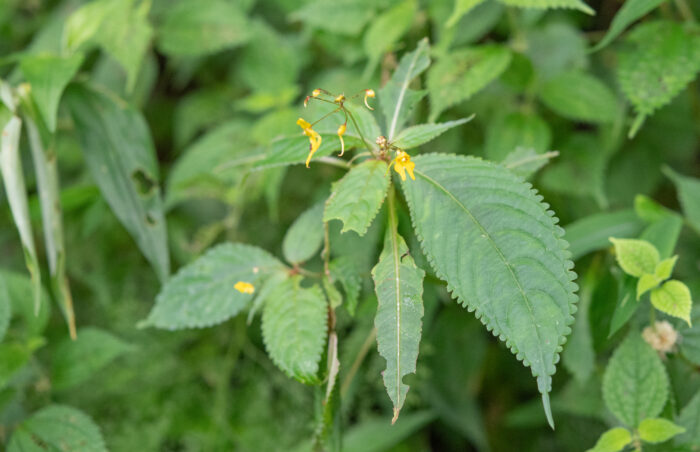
399 287
119 153
525 161
593 232
613 440
75 361
690 420
358 196
417 135
294 329
506 133
631 11
202 293
658 430
579 96
305 236
461 74
689 195
57 427
549 4
636 257
635 384
673 298
386 29
507 263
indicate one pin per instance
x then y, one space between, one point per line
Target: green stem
685 10
358 362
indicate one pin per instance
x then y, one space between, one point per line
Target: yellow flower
244 287
314 138
369 93
341 131
340 99
403 163
316 92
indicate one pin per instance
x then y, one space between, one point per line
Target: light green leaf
525 161
635 384
196 28
202 293
385 30
579 96
48 76
119 152
673 298
491 238
461 8
358 196
665 268
57 427
305 236
690 420
593 232
461 74
658 430
647 282
84 23
397 100
294 329
549 4
613 440
631 11
659 59
75 361
399 287
417 135
506 133
346 17
689 195
636 257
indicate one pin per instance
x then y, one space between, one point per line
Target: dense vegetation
358 225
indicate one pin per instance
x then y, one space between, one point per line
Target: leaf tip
396 415
547 409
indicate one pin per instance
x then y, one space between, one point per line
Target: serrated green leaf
417 135
658 430
294 329
75 361
398 284
593 232
658 60
506 133
613 440
635 384
549 4
689 195
689 419
665 268
397 100
120 155
385 30
48 75
202 293
636 257
461 74
57 427
673 298
358 196
461 8
579 96
525 161
305 236
191 28
646 283
464 212
631 11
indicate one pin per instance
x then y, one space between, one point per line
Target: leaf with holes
490 236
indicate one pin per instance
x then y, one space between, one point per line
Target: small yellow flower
341 131
369 93
244 287
314 138
340 99
316 92
403 163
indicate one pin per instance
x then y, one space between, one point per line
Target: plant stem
358 362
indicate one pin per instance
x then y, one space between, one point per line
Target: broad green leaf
592 233
202 293
658 60
525 161
635 384
673 298
16 192
554 47
48 75
631 11
461 8
294 329
579 96
658 430
119 153
399 287
358 196
57 428
689 195
397 100
613 440
385 30
75 361
346 17
417 135
636 257
506 133
647 282
305 236
491 238
461 74
665 268
689 419
549 4
197 28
